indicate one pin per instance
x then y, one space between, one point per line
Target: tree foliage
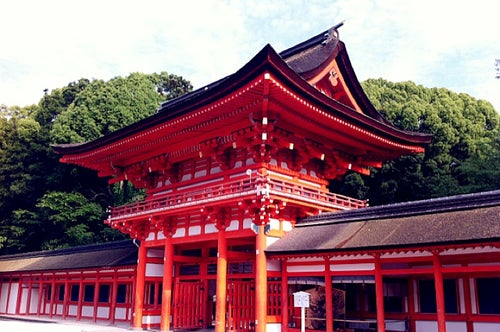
465 143
45 204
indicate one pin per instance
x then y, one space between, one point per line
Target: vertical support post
412 325
221 287
114 293
207 318
19 296
284 296
302 319
379 294
80 298
41 296
8 295
30 290
139 288
468 303
438 285
260 281
166 302
328 296
52 296
95 300
67 293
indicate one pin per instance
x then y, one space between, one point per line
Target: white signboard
301 300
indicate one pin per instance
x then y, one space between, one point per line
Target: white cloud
47 44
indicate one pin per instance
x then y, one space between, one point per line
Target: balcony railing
244 187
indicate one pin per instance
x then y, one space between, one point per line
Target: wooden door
240 306
188 305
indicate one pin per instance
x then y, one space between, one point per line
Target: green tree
45 204
465 136
103 107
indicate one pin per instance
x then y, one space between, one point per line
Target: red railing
237 189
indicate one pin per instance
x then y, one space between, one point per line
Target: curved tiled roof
462 219
287 65
113 254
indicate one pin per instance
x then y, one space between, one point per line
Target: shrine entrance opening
241 305
189 304
194 288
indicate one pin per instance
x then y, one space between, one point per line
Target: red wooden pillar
19 295
52 296
139 288
284 296
8 295
41 295
80 298
379 294
30 289
96 297
207 316
260 282
329 296
166 302
438 284
114 293
221 287
468 303
412 325
66 299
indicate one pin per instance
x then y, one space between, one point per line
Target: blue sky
48 44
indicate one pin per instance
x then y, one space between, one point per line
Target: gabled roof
113 254
459 220
287 67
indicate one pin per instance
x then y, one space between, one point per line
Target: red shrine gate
194 293
228 170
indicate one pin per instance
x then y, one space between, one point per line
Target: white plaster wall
352 267
247 223
270 240
461 296
395 325
194 230
35 293
426 326
87 311
121 313
73 310
151 319
179 232
154 270
11 307
3 297
273 265
103 312
458 327
157 253
306 268
234 225
486 327
24 300
273 327
287 226
210 228
160 235
431 326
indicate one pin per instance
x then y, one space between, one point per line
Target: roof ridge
433 205
320 38
73 250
